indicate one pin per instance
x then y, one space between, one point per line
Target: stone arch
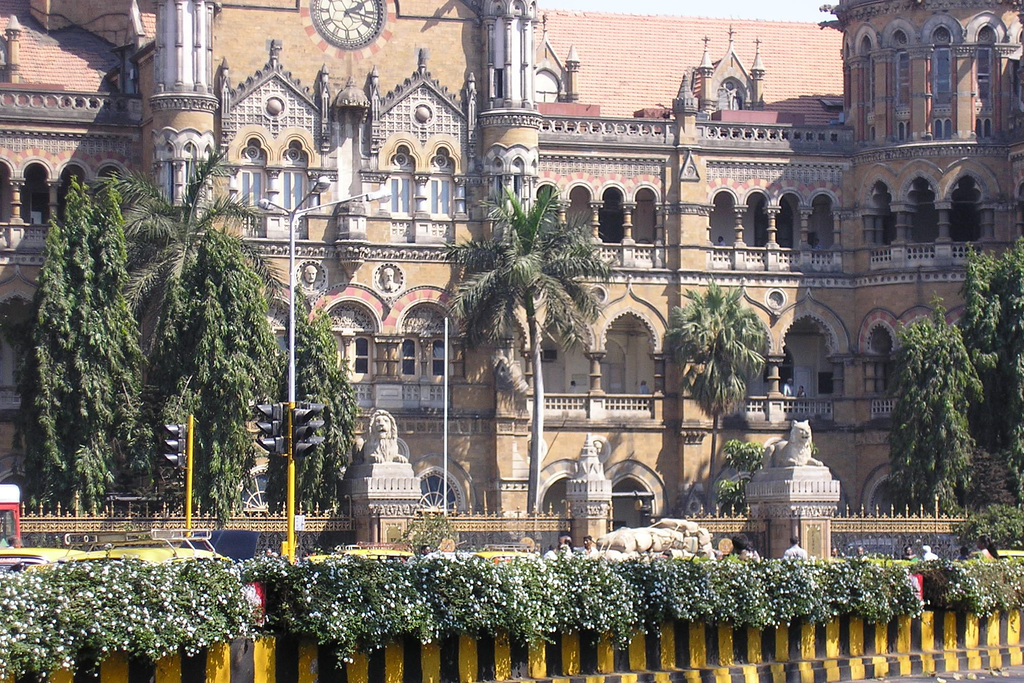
506 158
284 143
879 317
654 340
915 313
981 20
390 148
724 189
357 297
459 479
899 24
436 314
837 338
865 31
874 488
986 181
449 144
632 469
555 472
645 186
919 168
412 296
956 30
823 192
877 174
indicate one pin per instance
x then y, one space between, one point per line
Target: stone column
659 372
589 495
738 226
659 224
627 223
16 188
773 214
54 188
902 223
795 501
595 358
595 219
805 217
773 375
943 209
869 224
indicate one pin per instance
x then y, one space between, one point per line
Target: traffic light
175 444
271 426
305 422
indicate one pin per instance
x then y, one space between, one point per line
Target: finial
275 52
705 62
758 65
422 60
731 34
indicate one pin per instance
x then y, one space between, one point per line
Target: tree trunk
537 432
711 464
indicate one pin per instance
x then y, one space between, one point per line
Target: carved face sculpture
388 279
382 426
309 273
800 433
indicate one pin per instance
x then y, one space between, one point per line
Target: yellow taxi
17 559
388 553
505 553
155 546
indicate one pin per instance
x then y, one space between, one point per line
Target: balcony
882 407
764 409
644 256
604 131
391 395
601 407
775 259
69 107
904 256
779 137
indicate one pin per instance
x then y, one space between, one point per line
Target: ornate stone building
839 174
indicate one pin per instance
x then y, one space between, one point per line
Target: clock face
348 24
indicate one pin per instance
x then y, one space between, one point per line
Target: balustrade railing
761 408
585 406
645 131
644 256
36 104
900 256
775 136
882 407
774 259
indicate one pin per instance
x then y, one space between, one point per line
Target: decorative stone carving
381 445
312 276
677 537
389 279
794 452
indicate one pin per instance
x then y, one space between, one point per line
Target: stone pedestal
589 495
385 498
795 501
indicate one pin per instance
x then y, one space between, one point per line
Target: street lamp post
294 215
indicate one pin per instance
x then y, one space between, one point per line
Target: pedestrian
551 554
987 549
565 544
794 551
787 388
964 553
926 553
800 393
589 547
861 552
644 389
909 555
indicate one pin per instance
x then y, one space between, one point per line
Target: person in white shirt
787 388
794 551
927 554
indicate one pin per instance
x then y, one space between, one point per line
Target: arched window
434 491
251 175
408 357
293 177
35 196
878 367
579 205
965 211
361 360
942 67
879 221
611 216
722 220
924 218
644 217
822 224
983 66
402 167
901 65
785 223
441 166
757 217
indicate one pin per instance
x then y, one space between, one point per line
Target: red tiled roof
71 58
630 62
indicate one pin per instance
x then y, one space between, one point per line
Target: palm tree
163 235
536 267
716 342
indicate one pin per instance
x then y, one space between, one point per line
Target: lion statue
796 452
381 443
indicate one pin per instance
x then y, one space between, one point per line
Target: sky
790 10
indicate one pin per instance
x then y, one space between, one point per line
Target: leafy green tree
930 442
164 235
319 377
215 354
746 458
80 381
993 331
540 268
717 343
1004 524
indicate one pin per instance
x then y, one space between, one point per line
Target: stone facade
841 189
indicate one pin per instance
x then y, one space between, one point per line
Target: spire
757 70
705 61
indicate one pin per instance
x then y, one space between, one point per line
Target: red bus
10 513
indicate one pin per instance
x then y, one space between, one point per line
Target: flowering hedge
57 617
78 613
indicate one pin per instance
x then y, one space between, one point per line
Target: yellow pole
289 545
188 472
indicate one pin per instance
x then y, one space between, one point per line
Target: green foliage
215 355
1004 524
745 457
536 267
717 343
930 441
80 381
993 325
83 612
88 610
320 378
429 529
